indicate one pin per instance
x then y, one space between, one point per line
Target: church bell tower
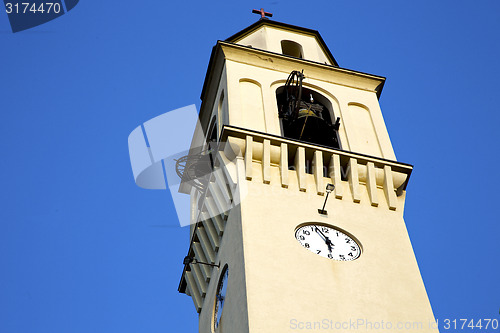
297 198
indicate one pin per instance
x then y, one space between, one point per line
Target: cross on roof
262 13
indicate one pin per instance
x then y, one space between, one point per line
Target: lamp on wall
190 260
329 189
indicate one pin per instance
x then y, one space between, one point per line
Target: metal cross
262 13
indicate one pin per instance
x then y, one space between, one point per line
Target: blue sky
83 249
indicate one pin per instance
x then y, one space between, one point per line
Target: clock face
220 297
328 242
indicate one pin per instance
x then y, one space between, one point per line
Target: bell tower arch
305 114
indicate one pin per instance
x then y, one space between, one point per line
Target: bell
309 127
306 113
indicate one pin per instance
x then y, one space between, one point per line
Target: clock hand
330 244
320 233
327 240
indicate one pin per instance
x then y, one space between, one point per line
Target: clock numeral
348 241
325 230
306 232
302 237
353 248
341 256
318 251
307 245
350 254
337 233
330 256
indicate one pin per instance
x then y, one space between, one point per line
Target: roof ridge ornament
262 13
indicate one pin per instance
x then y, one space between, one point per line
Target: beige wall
287 282
235 318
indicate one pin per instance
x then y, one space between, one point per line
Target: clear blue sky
83 249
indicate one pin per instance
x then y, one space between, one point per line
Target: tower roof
261 37
267 22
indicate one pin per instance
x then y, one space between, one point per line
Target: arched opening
291 48
306 115
211 140
211 134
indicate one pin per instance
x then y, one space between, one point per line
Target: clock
328 242
220 296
